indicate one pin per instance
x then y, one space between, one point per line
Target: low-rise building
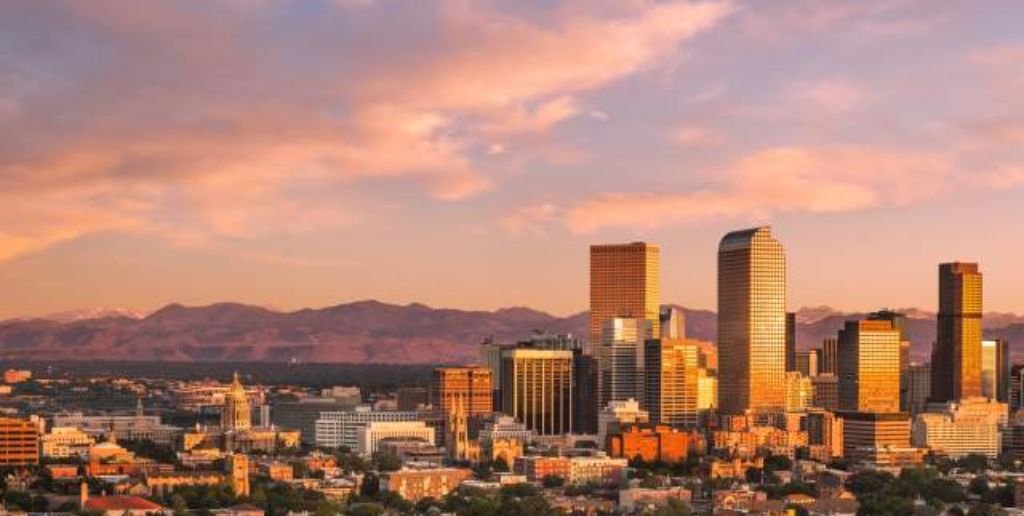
372 434
639 499
660 443
417 484
969 427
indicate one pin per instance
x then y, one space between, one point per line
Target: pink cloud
192 125
778 180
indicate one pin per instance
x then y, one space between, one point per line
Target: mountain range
360 332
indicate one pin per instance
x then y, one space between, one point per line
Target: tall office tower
829 356
956 358
620 360
806 362
995 370
899 322
671 388
919 388
1016 390
751 322
869 367
584 377
799 392
623 283
673 322
536 387
826 392
790 341
470 387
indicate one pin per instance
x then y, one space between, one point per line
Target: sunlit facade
956 359
751 322
670 381
624 282
995 369
537 389
869 367
620 360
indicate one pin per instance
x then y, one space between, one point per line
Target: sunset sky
466 153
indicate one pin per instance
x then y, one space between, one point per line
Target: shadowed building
623 283
751 322
956 359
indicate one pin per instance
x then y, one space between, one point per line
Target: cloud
773 181
830 95
696 136
530 219
199 121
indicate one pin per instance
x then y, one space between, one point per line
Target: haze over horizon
466 154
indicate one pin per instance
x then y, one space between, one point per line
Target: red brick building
660 443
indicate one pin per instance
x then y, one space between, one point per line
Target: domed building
236 432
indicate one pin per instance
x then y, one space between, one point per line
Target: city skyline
295 155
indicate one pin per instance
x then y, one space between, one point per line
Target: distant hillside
360 332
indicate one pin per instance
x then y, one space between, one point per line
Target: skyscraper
673 322
869 367
670 381
620 360
829 356
995 369
751 322
536 387
790 341
623 283
956 359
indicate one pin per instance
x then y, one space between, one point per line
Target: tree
974 463
386 461
978 486
552 481
674 507
867 482
179 505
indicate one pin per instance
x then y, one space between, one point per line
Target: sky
465 154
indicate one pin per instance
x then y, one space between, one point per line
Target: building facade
471 386
869 367
670 381
537 389
751 322
956 358
624 282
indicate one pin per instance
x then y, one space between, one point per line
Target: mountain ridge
365 331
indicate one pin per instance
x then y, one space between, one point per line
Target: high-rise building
995 369
829 356
620 359
799 392
469 386
624 283
671 376
806 362
536 387
236 413
791 341
707 390
751 322
956 359
826 392
869 367
673 322
1016 390
919 388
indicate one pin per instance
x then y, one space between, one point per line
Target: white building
65 441
968 427
596 469
621 359
372 434
342 427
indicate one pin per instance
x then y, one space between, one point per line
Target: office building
671 376
672 322
707 390
829 356
956 358
806 362
537 389
826 392
372 434
799 392
19 442
919 388
1015 392
751 322
791 341
469 386
620 359
968 427
865 433
334 429
995 369
824 434
624 283
869 367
